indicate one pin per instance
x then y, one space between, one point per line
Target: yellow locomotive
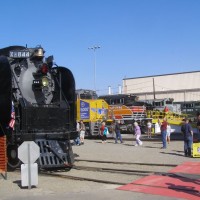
91 110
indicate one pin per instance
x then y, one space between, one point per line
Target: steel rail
83 179
113 170
127 163
191 190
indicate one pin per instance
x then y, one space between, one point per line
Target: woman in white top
168 132
82 131
149 129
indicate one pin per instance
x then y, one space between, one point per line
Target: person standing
198 127
77 140
164 133
112 129
117 131
149 126
188 137
137 131
82 131
168 132
102 132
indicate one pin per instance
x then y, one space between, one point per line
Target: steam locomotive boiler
37 103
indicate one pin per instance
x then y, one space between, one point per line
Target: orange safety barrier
3 157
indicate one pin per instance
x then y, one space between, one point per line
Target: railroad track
128 163
109 172
112 170
82 178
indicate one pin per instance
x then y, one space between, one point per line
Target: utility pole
154 92
94 48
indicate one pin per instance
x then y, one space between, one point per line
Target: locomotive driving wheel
12 154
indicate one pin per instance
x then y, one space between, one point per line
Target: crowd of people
113 129
165 130
186 130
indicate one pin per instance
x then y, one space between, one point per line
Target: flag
12 121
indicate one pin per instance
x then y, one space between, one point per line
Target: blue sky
137 37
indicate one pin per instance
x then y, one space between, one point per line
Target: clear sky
136 37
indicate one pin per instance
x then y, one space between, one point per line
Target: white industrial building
181 87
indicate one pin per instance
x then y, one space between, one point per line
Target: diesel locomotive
37 103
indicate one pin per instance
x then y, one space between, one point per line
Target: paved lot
57 188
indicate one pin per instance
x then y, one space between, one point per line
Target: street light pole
94 48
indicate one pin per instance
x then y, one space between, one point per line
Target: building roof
162 75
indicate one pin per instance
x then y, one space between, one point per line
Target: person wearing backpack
103 132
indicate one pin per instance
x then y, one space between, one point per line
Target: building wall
180 86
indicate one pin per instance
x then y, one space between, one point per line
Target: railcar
128 109
91 110
191 108
37 103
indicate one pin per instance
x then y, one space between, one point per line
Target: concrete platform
56 188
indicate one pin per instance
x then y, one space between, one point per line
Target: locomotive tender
37 103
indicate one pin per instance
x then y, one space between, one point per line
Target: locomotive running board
52 154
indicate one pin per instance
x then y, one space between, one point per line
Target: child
103 130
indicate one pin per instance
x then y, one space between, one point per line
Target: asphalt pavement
53 188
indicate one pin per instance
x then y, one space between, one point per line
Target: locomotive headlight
45 82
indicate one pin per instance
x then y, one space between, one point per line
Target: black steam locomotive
37 103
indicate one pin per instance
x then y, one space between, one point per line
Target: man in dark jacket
198 127
117 131
188 137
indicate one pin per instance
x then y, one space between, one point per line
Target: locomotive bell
39 53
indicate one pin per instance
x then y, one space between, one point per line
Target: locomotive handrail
62 91
59 84
19 88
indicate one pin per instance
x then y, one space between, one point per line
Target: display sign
102 111
28 153
196 150
19 54
84 109
26 148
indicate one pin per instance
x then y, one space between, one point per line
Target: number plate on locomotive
19 54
